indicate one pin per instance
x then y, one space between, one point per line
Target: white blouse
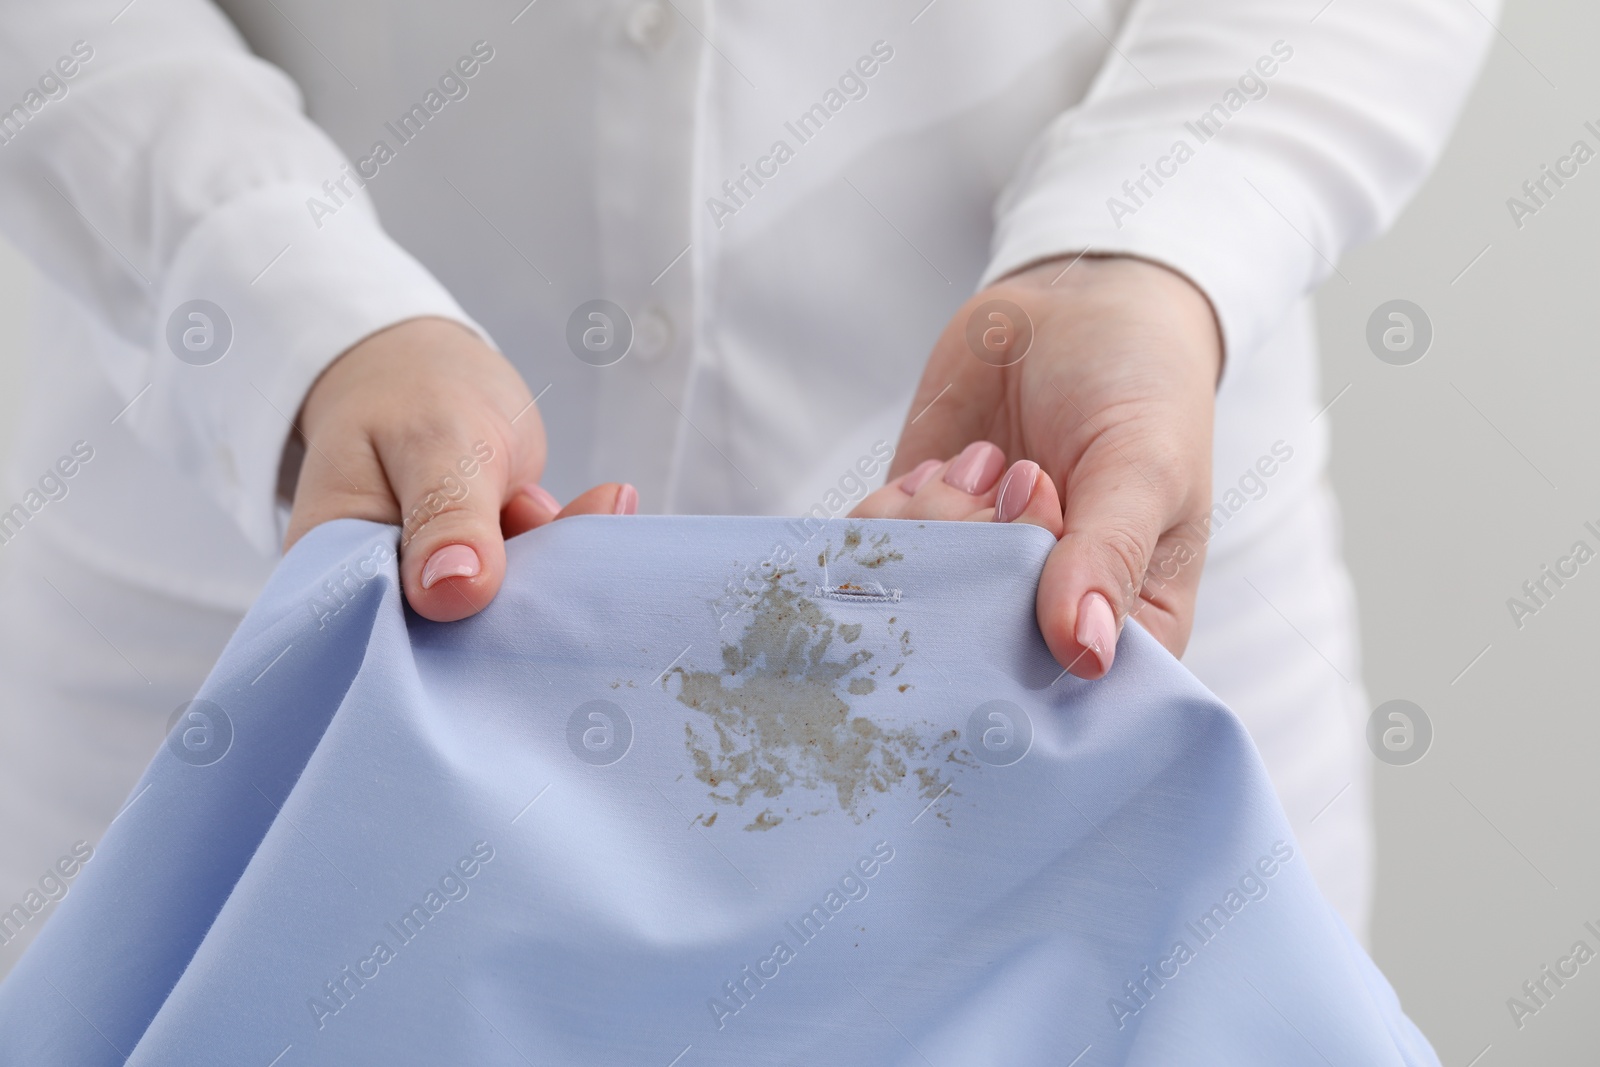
777 207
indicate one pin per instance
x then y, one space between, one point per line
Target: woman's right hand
425 426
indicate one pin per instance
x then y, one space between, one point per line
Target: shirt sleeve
151 162
1246 143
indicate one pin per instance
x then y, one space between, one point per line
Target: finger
918 477
1114 520
1026 495
959 488
452 489
890 501
530 507
613 498
341 479
452 551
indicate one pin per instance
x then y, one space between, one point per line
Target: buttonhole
871 592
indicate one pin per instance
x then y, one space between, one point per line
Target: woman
702 250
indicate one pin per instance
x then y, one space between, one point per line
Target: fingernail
919 476
627 501
1097 628
1016 490
451 561
542 497
975 470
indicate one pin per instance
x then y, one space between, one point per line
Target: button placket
647 93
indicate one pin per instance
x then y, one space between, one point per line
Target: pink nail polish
451 561
975 470
1016 490
627 501
1097 628
919 476
542 497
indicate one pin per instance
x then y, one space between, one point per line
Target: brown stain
876 554
765 821
933 788
880 553
775 714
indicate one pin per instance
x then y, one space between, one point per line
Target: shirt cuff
260 297
1229 222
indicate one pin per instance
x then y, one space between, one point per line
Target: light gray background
1461 476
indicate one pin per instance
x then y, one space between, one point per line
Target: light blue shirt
696 791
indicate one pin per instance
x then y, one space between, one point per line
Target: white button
649 25
652 334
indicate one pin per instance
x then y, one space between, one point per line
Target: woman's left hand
1097 377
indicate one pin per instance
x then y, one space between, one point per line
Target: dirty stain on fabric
874 554
777 715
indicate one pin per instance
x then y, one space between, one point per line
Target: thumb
1128 551
452 550
418 424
